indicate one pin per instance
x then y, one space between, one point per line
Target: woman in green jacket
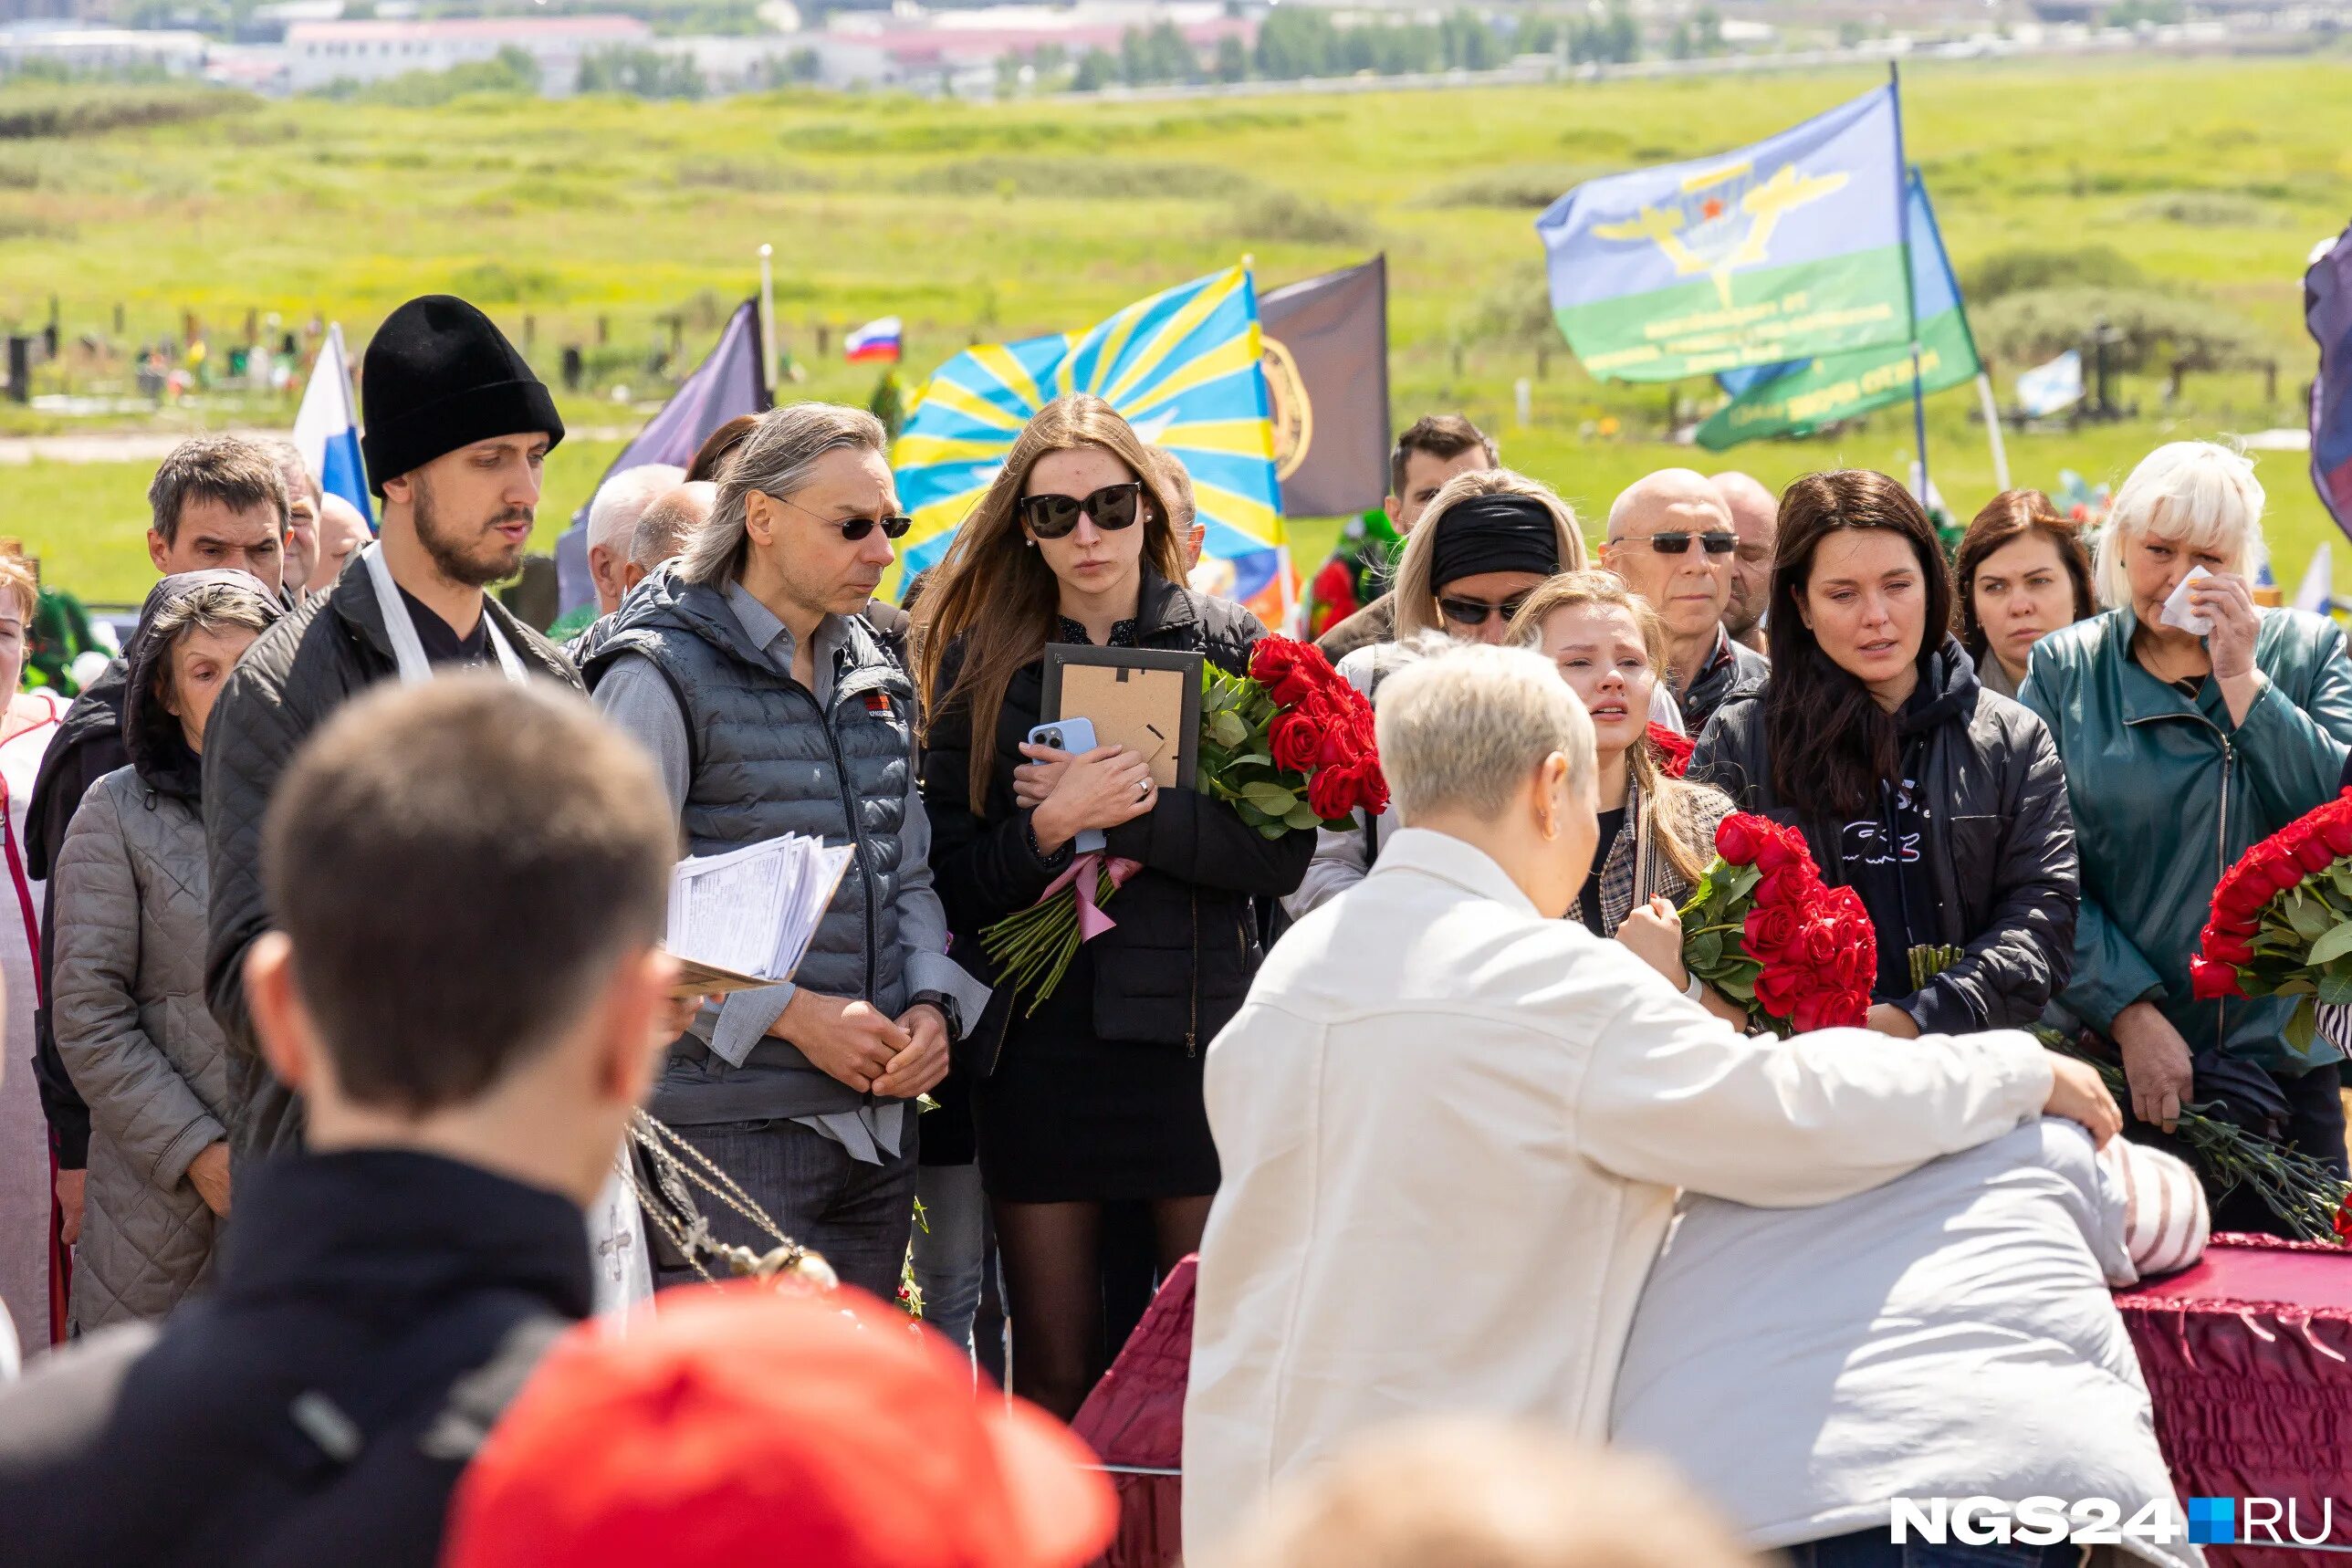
2182 750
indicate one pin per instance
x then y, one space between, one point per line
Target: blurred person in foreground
1756 519
1949 1334
1433 449
128 994
1438 1082
216 503
471 1037
457 430
2183 749
1462 1492
742 1425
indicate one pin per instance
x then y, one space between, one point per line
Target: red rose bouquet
1764 931
1289 746
2281 921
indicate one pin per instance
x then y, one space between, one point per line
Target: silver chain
693 1240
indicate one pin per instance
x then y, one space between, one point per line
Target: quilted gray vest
769 760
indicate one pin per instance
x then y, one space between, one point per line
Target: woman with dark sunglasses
1942 804
1488 540
1094 1098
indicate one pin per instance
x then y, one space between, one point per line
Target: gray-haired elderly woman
2182 748
129 979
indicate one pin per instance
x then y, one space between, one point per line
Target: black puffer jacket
2000 851
287 685
1178 963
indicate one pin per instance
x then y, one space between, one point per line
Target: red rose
2312 850
1331 792
2343 1221
1818 948
2226 949
2335 826
2242 893
1777 991
2211 981
1289 670
2273 860
1797 886
1846 904
1783 849
1673 750
1853 1009
1292 739
1736 839
1854 967
1818 1011
1371 784
1768 932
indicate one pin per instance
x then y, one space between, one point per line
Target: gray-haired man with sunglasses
744 667
1671 540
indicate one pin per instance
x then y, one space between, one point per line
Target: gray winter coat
133 1025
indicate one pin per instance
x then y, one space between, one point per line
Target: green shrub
83 109
1526 187
2157 329
1285 216
2027 268
1080 179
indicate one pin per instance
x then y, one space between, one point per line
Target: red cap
739 1425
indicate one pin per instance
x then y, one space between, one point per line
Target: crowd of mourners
336 982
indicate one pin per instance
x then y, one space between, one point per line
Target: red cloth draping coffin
1135 1420
2248 1356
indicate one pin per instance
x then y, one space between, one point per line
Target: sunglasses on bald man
1679 542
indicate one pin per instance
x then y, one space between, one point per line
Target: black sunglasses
1679 542
1476 612
1112 506
854 528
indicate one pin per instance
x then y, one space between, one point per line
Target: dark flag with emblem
1326 377
2328 308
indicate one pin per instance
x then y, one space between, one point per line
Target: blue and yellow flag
1788 250
1182 366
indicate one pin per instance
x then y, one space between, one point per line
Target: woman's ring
1142 788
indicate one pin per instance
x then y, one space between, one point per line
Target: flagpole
768 319
1992 429
1910 289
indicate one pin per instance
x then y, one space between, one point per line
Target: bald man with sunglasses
1672 541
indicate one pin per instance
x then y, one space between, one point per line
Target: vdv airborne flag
1786 251
1182 366
1813 392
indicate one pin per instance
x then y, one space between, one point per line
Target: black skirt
1069 1118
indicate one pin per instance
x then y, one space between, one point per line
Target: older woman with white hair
1452 1125
1489 539
2184 744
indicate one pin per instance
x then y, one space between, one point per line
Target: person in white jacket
1452 1125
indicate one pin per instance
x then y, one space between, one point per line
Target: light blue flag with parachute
1784 250
1180 366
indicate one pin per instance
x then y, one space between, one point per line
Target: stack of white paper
754 909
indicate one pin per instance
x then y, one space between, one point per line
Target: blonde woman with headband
1488 539
1609 646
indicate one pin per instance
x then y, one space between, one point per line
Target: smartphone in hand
1075 736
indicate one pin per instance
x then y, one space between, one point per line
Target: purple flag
2328 308
727 382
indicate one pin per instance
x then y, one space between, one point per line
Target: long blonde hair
992 601
1416 595
1681 834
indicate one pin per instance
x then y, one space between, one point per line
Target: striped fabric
2165 1220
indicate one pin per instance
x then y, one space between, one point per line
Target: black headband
1485 534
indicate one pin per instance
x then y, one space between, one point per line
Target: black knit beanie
439 375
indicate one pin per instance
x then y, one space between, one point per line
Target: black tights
1054 1290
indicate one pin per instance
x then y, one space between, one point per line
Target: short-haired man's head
622 500
458 867
299 481
228 470
710 460
1472 1493
666 526
778 457
1440 436
1466 726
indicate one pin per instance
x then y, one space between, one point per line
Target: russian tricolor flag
873 341
327 432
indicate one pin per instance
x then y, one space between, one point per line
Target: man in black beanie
457 429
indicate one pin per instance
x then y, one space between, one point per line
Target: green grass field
987 221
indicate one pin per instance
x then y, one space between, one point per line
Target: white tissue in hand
2177 612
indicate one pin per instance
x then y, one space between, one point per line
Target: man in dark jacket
457 427
471 1035
216 501
1671 540
746 671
